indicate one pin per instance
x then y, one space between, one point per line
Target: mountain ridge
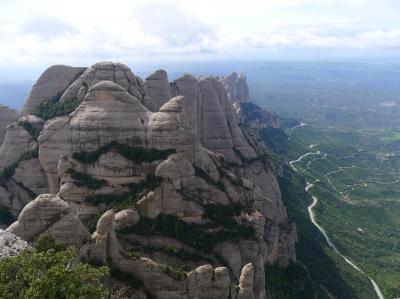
214 169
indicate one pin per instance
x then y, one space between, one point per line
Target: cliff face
165 171
7 116
236 88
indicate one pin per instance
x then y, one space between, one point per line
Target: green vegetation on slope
126 199
195 235
46 273
53 108
136 154
330 273
31 129
359 200
83 179
292 282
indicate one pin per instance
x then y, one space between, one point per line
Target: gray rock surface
16 142
7 116
236 87
158 88
246 282
51 84
215 161
118 73
10 244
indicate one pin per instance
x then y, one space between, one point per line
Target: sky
81 32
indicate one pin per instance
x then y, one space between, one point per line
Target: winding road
322 230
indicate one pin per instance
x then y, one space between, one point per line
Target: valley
355 194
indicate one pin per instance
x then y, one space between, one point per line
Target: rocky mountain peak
145 175
236 87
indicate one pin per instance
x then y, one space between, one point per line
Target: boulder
38 215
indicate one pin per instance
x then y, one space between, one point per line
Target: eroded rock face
157 87
236 87
17 142
256 117
51 84
118 73
22 175
7 116
210 161
50 215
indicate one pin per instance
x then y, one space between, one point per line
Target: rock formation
50 86
7 116
160 173
236 88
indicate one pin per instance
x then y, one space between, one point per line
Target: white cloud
66 31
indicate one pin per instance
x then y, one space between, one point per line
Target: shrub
291 282
31 129
46 243
195 235
47 274
91 222
53 108
176 272
127 199
201 173
136 154
223 215
178 252
83 179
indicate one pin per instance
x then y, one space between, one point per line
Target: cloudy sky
84 31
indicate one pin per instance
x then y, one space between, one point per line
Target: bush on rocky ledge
197 236
135 154
126 199
53 108
82 179
47 273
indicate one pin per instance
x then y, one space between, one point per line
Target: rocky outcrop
22 176
246 282
255 117
172 174
10 244
17 142
49 215
7 116
158 88
51 84
118 73
236 87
